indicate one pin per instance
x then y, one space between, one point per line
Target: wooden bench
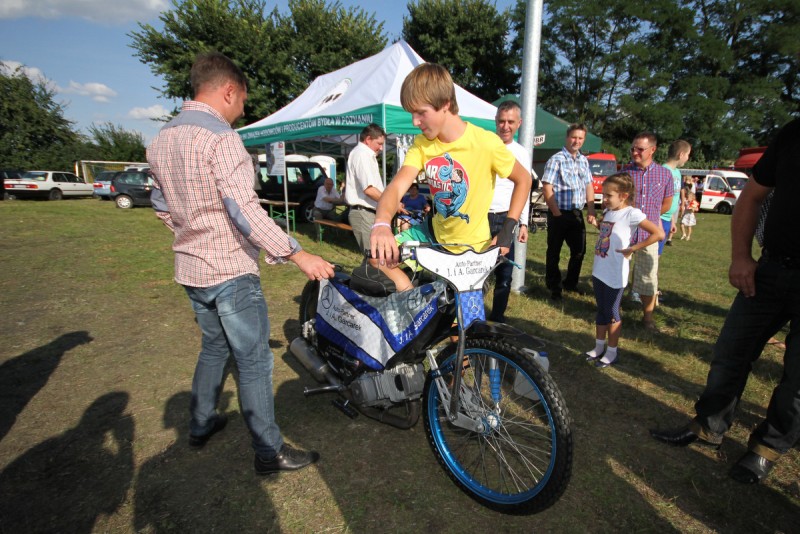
331 224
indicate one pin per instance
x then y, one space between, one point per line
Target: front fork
447 392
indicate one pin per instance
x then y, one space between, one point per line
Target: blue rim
455 466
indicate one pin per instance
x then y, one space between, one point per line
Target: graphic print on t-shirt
449 185
604 239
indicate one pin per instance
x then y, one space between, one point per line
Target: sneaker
635 297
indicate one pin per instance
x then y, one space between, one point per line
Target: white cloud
35 75
105 11
98 92
153 112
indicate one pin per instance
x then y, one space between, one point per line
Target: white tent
338 105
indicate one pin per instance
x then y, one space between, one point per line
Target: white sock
610 356
599 344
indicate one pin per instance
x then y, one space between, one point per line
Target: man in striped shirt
203 192
567 185
654 190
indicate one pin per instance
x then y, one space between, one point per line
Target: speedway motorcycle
494 417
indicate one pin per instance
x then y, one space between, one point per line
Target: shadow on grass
213 489
65 483
23 376
612 419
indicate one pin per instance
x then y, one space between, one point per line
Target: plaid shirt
569 177
652 185
203 192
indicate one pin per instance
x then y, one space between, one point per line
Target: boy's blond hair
428 84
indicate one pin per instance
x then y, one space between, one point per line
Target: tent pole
530 84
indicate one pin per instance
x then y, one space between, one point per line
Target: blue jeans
233 319
749 325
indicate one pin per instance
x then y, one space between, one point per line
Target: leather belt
363 208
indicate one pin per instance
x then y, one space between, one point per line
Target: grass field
97 355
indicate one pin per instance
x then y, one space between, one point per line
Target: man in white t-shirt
364 185
507 121
326 201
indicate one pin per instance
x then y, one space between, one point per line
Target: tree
33 130
721 74
114 143
468 37
280 55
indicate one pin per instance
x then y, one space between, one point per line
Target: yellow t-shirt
461 176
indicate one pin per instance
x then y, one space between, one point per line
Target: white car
52 185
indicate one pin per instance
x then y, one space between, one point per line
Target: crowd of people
480 186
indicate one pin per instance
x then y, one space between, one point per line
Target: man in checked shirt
203 193
654 189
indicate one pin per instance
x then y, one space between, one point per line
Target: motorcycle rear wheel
521 462
308 301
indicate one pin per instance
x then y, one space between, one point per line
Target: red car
602 166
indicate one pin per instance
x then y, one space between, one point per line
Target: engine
392 386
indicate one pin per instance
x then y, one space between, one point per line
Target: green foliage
469 38
279 54
722 75
114 143
34 134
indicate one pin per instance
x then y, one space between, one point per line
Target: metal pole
530 84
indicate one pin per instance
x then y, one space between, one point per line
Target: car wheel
124 202
724 208
307 211
55 194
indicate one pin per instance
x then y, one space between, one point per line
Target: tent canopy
551 131
338 105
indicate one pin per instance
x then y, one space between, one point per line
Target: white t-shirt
320 201
362 172
616 228
503 188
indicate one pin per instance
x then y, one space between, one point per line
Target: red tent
748 158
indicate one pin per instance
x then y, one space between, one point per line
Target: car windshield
601 167
737 184
33 175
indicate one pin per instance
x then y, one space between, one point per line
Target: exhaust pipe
307 356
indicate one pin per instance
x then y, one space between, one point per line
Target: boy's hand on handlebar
314 267
383 246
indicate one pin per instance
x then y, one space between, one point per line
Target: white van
721 188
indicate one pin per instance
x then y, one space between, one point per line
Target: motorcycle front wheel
520 460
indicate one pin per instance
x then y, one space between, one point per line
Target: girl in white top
611 262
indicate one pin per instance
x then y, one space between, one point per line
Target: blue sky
81 49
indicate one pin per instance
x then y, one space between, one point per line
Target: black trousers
749 324
569 228
502 285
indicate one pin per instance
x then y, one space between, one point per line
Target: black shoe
600 364
555 295
751 468
668 243
198 442
681 437
288 459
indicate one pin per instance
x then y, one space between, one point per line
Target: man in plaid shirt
203 192
567 186
654 191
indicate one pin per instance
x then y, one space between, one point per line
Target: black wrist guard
505 238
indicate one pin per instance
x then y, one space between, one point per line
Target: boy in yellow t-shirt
460 161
